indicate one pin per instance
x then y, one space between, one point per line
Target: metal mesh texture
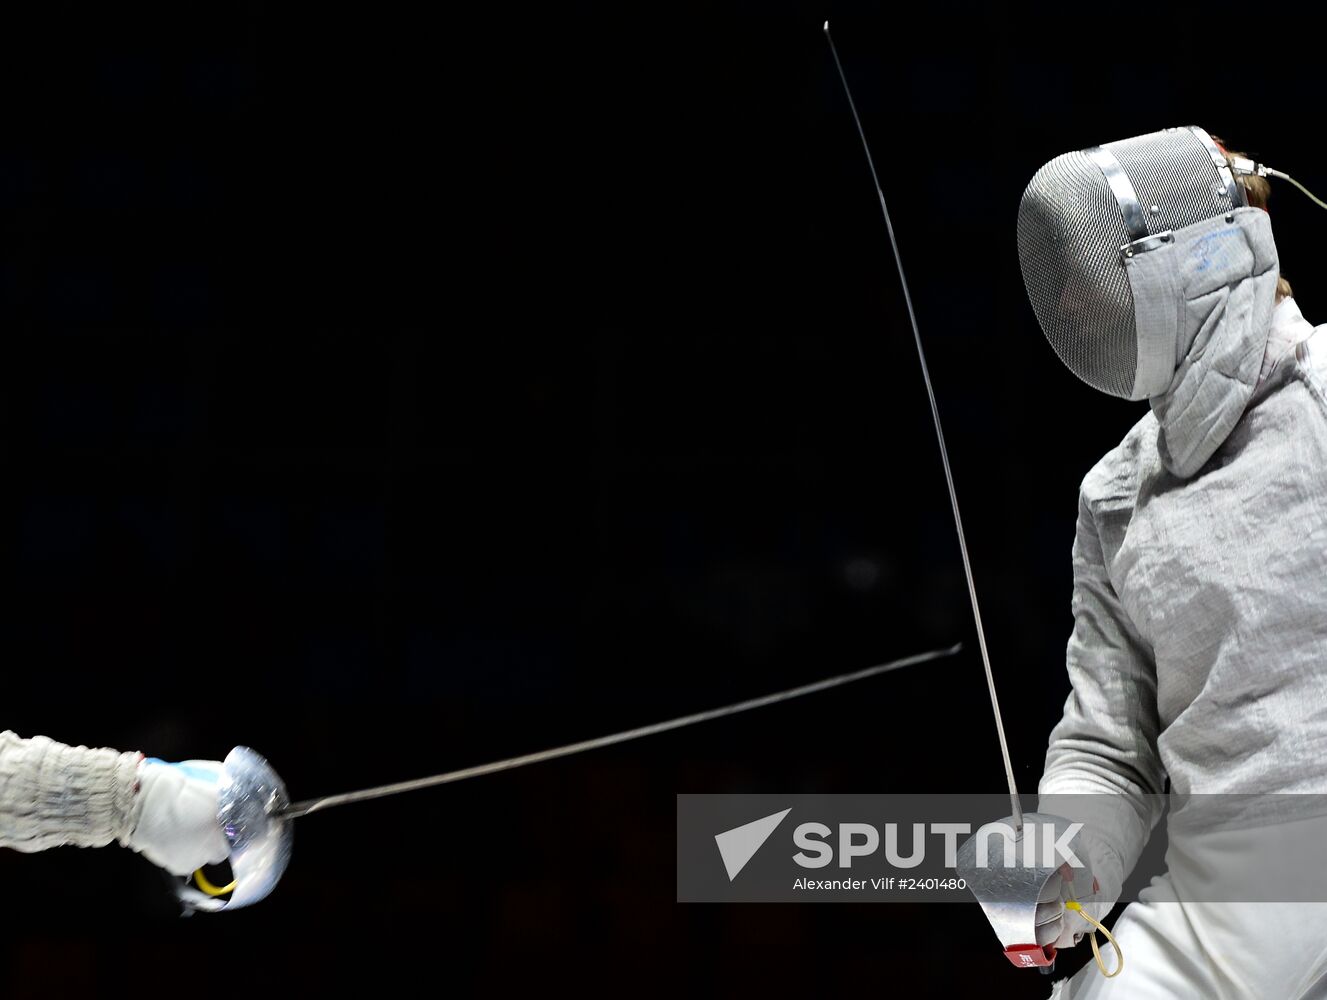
1173 172
1070 230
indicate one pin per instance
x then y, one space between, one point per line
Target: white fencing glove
177 825
1031 900
1063 927
1060 915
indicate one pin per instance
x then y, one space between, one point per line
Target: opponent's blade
317 805
940 437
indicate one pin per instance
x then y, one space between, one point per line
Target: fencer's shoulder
1113 482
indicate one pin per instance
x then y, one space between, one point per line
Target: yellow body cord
1073 904
211 889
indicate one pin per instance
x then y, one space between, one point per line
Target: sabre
510 763
940 437
256 813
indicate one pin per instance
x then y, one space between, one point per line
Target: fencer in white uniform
1198 656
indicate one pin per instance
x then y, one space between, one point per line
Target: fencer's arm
53 794
1102 767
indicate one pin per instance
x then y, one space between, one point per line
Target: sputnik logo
739 845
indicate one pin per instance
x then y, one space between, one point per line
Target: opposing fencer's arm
53 794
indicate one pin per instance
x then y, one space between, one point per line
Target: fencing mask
1087 219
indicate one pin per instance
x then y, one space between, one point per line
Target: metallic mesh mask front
1080 218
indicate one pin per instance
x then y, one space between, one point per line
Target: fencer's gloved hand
1060 926
1030 882
177 825
1064 927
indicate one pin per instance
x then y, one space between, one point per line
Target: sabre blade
382 791
940 437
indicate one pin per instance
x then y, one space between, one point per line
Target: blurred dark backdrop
393 391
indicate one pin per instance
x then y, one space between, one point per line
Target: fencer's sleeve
1102 767
52 794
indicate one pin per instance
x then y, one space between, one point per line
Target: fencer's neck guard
1204 308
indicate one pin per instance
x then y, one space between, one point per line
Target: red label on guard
1027 956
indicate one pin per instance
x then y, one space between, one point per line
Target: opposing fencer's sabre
257 816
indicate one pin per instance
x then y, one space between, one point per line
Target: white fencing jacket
1199 648
52 794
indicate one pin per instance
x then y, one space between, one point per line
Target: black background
392 391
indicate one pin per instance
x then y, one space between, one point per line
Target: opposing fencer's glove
177 825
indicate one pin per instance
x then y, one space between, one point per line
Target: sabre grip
1023 877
